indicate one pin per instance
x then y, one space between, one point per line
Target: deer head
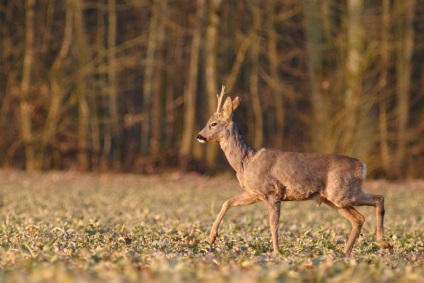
219 123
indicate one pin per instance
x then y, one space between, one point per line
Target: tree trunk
152 43
83 90
57 84
25 104
210 70
276 84
382 118
113 84
254 79
158 90
353 92
314 43
186 148
102 145
405 35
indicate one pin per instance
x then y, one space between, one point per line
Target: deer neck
236 149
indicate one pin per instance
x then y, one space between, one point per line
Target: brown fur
272 176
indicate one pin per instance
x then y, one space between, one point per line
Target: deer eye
213 124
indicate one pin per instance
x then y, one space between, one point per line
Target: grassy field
68 227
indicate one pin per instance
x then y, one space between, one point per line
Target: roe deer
274 176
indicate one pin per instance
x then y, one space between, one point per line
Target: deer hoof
276 253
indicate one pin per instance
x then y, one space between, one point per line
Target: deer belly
299 194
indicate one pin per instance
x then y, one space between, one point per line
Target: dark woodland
125 85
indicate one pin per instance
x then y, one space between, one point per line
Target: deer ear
236 103
227 109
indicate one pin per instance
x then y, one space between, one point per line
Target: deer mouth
201 138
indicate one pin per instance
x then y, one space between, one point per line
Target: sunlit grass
68 227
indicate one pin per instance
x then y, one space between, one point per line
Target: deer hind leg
356 220
378 202
241 200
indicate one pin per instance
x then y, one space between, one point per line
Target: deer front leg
274 219
241 200
356 220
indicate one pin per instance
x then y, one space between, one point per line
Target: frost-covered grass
66 227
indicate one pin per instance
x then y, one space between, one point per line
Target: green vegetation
67 227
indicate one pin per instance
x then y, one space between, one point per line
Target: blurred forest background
125 85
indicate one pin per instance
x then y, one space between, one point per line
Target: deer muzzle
200 138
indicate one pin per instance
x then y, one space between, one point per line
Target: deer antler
220 98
